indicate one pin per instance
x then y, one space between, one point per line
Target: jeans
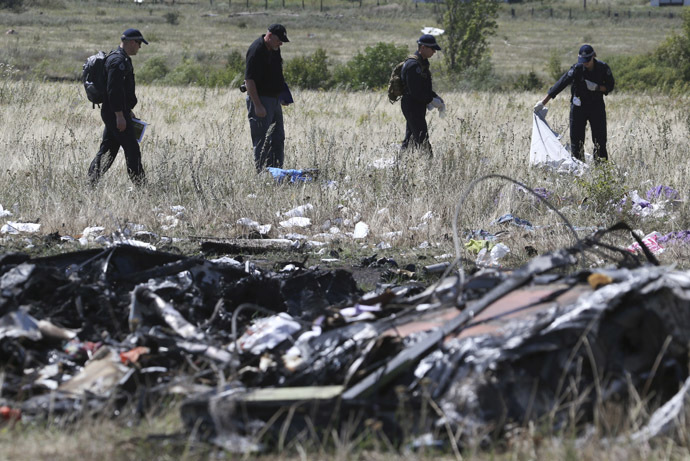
268 133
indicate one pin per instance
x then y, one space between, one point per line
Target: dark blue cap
585 54
429 40
133 34
279 31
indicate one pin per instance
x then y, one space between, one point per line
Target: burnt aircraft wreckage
263 356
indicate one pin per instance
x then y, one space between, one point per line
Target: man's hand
538 107
260 110
120 121
591 86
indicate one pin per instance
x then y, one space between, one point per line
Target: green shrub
155 68
14 5
527 82
188 72
479 78
553 66
602 186
172 17
371 69
309 72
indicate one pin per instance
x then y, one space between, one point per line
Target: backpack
93 77
396 86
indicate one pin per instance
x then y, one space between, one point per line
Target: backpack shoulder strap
407 60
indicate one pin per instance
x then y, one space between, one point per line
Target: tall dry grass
197 154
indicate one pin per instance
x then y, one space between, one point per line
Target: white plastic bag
547 150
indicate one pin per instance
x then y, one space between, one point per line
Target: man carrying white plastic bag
547 150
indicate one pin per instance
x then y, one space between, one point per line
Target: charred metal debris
265 357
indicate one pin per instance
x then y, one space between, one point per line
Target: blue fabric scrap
280 174
515 220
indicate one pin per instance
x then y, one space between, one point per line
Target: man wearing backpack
418 94
116 111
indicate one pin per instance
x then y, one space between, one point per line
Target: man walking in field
418 94
590 80
265 83
116 111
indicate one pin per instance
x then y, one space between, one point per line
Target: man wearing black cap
590 80
264 80
418 94
116 111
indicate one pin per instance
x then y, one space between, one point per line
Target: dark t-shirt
265 67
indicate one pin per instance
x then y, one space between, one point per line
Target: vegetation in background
309 72
14 5
372 68
668 67
528 82
554 67
468 25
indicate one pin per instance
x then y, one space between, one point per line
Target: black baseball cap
585 54
133 34
429 40
279 30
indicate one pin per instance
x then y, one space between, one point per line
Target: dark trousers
268 133
416 130
579 116
113 139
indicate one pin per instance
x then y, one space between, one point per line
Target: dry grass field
197 154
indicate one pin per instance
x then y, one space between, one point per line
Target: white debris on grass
228 261
300 211
383 245
295 236
171 222
262 229
383 163
92 232
492 258
178 210
392 235
361 230
132 242
4 212
326 237
11 227
296 222
427 216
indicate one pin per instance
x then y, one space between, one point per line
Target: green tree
371 69
468 25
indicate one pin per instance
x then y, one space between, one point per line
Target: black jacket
417 78
120 82
576 76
